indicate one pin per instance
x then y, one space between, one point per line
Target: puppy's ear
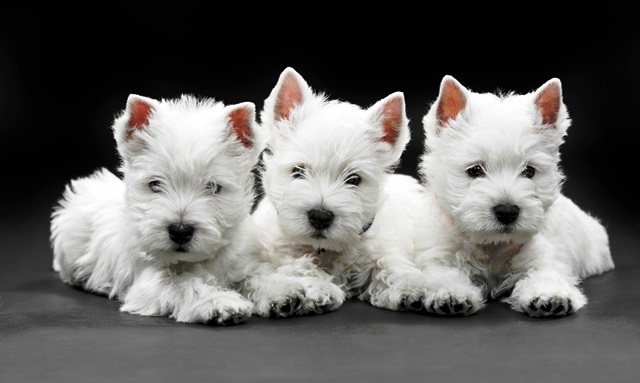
138 109
134 119
451 101
548 101
290 91
241 120
390 118
241 123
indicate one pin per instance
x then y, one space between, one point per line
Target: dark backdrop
65 73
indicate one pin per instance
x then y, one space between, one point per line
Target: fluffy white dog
498 225
335 221
174 235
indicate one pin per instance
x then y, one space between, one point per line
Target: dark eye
213 187
353 179
475 171
529 172
155 186
298 171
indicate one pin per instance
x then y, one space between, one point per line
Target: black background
65 72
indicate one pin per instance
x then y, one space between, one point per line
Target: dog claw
532 304
290 306
322 305
234 320
408 303
293 304
286 308
273 313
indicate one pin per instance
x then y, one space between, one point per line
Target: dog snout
320 218
506 213
180 233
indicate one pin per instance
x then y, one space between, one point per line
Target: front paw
219 308
398 292
278 298
233 314
454 302
299 296
543 298
321 297
541 307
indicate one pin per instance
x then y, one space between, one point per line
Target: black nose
180 233
506 213
320 219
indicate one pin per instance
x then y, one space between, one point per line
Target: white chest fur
491 267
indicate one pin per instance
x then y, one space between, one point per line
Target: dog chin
181 255
499 237
321 241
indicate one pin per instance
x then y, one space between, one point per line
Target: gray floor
50 332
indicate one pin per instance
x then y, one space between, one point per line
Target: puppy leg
546 293
192 297
451 292
396 284
296 287
547 286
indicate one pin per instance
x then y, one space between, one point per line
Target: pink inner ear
139 119
240 122
548 102
289 96
452 102
392 119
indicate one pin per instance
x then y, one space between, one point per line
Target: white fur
333 140
534 264
110 235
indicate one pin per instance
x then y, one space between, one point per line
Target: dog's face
187 169
327 161
492 160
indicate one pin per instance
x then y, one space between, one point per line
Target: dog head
327 160
187 167
492 160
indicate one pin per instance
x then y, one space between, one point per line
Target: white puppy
499 226
336 222
174 235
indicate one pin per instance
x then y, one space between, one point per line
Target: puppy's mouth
319 234
508 229
181 249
